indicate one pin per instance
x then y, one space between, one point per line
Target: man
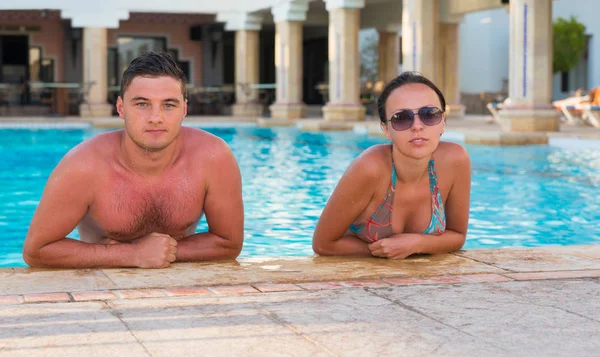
137 195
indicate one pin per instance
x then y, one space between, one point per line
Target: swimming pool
521 196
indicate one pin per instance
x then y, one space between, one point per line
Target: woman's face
416 139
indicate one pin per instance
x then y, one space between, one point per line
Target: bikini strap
394 174
432 176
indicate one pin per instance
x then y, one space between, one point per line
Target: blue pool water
521 196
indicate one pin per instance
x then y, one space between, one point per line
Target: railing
369 93
266 92
210 100
218 100
40 98
201 100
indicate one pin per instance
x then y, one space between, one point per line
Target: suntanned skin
137 195
365 183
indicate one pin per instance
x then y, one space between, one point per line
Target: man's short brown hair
153 64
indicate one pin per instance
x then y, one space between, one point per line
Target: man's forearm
70 253
206 246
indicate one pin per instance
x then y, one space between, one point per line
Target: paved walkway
500 302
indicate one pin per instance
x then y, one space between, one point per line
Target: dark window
185 67
129 47
564 82
15 50
228 57
113 67
400 40
47 70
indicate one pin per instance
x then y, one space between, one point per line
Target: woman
407 197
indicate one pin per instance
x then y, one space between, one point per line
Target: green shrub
569 42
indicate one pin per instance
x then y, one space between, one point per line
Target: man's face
153 109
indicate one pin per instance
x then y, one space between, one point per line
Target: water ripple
521 197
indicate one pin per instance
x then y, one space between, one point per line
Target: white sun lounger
589 113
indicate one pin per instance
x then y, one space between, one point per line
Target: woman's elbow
322 248
234 252
457 243
461 243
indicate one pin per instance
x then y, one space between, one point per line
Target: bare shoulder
81 171
452 156
204 146
90 156
200 141
372 162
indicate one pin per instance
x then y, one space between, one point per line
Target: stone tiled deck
534 301
254 275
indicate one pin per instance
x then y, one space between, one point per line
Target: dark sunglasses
428 115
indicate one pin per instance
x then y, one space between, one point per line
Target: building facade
484 43
304 51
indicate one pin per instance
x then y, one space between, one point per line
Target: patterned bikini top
379 225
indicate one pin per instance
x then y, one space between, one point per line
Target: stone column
288 18
389 55
344 62
246 74
529 108
430 46
420 28
246 27
95 74
448 68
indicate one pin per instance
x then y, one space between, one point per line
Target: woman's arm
351 196
457 206
402 245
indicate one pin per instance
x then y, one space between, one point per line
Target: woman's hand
399 246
